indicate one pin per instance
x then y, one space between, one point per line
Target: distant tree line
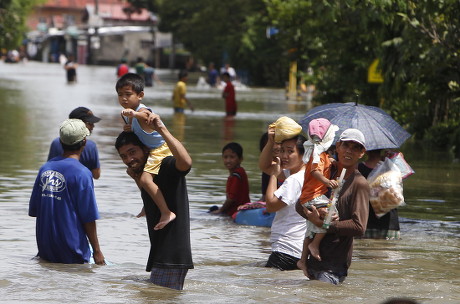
417 44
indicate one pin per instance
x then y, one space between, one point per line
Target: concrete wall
128 45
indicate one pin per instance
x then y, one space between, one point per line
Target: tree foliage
151 5
12 21
421 62
212 30
417 43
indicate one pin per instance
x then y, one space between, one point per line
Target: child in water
130 89
321 135
229 95
237 189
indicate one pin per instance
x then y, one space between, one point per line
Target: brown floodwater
35 98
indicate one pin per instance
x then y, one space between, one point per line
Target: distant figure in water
71 68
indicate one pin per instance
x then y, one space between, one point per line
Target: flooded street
35 99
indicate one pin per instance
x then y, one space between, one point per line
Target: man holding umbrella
353 208
381 132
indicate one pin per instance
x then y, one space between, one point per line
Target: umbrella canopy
380 130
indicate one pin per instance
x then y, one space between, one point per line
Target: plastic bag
285 128
398 159
386 188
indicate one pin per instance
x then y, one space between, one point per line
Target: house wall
129 45
55 17
63 26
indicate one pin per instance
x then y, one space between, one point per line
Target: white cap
73 131
353 135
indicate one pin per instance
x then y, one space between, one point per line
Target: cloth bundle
321 135
285 128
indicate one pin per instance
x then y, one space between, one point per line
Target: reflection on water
178 128
229 126
35 99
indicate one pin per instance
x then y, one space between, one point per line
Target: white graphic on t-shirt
52 181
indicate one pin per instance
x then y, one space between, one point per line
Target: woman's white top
288 227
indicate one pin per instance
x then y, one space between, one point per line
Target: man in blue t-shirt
64 203
90 156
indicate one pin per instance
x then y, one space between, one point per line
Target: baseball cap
84 114
72 131
353 135
318 127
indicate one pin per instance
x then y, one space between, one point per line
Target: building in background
95 32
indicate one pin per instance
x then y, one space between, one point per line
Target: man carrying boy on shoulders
170 250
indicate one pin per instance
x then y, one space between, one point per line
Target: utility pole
154 45
93 38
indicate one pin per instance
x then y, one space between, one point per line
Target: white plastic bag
398 159
386 187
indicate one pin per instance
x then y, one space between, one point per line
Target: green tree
338 39
266 59
150 5
417 44
211 30
231 31
421 62
12 21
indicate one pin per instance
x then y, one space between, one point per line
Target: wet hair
376 152
235 147
299 143
126 138
131 79
263 141
182 74
73 147
300 139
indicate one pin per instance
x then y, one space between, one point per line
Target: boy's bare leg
313 247
157 196
302 263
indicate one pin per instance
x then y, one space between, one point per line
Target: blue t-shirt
212 75
63 200
152 140
89 157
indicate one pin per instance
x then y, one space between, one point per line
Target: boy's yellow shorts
155 158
